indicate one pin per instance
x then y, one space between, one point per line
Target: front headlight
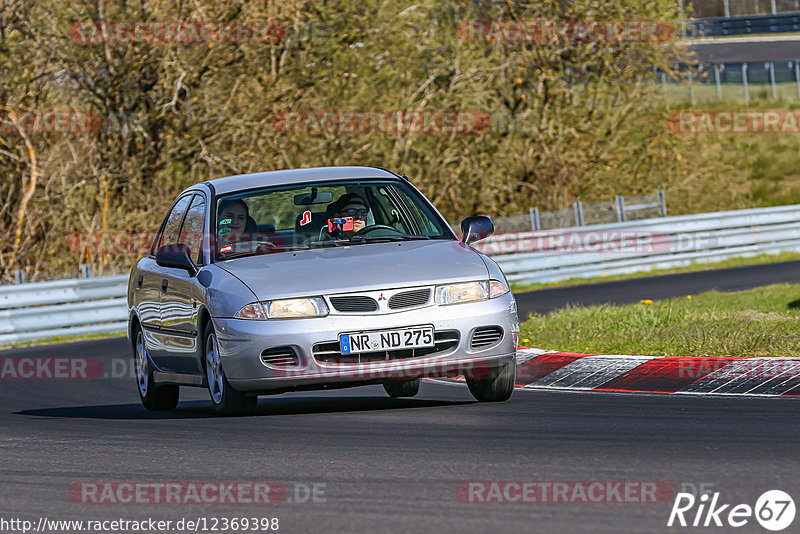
466 292
290 308
470 292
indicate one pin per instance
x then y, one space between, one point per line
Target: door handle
164 283
139 282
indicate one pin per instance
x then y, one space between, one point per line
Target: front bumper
241 343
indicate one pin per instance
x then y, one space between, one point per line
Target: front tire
154 398
495 389
226 400
402 388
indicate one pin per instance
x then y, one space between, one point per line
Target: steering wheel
368 229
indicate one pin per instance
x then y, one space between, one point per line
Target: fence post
772 80
86 270
797 76
716 80
727 5
19 276
691 88
578 207
663 201
664 85
774 7
536 223
744 80
620 208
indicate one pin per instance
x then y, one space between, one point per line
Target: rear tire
154 398
402 388
226 400
495 389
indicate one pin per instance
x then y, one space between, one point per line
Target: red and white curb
769 377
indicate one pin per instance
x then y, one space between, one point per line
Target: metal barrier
743 25
63 308
621 248
70 308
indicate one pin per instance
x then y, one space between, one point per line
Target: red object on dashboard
347 224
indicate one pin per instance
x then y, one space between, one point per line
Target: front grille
328 352
407 299
485 337
354 303
279 357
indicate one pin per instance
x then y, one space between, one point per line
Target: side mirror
177 256
475 228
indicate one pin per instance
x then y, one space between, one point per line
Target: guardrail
743 25
621 248
69 308
63 308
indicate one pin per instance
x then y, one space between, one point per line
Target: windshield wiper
271 250
330 243
356 239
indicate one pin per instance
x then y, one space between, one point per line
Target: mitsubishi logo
381 297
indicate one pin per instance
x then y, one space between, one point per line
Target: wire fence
621 209
737 8
744 82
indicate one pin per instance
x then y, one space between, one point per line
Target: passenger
232 218
350 205
237 232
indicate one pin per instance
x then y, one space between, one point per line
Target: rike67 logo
774 510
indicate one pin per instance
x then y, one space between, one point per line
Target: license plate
404 338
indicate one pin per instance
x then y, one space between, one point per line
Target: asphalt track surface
751 52
387 465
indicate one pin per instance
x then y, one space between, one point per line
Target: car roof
241 182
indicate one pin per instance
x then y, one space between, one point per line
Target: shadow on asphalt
266 407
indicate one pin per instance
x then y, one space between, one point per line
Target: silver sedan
315 279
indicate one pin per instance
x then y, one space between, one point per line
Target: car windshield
323 214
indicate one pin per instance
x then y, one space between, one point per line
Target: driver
350 205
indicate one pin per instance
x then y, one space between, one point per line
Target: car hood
364 267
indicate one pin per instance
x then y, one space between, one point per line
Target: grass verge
758 322
60 339
733 262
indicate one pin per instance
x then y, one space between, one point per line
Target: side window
192 230
425 220
388 201
173 223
